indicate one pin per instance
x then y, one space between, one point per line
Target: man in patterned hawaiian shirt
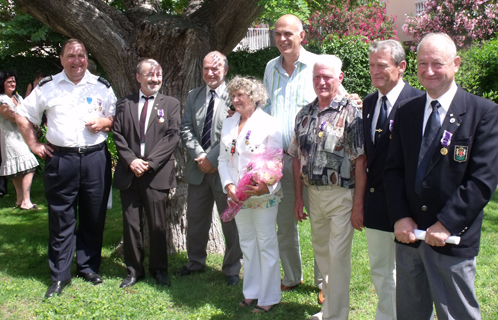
328 147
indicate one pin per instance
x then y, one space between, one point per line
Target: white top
265 133
445 102
392 97
69 106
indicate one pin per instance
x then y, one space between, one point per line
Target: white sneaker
317 316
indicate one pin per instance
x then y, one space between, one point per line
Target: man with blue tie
440 174
387 65
207 107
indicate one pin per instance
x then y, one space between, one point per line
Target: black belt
84 149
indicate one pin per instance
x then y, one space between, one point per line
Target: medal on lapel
160 114
247 137
445 142
391 124
320 134
89 101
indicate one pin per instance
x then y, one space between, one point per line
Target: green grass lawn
24 277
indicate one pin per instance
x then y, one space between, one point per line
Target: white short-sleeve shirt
69 107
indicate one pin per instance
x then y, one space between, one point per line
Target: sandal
262 309
244 303
33 207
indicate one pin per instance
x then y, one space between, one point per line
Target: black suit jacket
161 139
375 212
456 186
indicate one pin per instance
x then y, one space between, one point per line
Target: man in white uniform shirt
80 111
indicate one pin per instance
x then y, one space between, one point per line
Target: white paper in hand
420 235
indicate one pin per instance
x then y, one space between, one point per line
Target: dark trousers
137 200
77 188
200 201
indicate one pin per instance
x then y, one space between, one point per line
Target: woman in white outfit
17 160
250 131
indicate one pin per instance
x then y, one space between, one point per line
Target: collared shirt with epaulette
69 107
328 142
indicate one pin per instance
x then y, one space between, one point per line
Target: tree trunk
118 40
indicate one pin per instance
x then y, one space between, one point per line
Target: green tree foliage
478 73
22 34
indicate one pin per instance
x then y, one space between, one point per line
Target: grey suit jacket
191 132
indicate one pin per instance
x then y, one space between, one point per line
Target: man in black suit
146 132
440 173
387 65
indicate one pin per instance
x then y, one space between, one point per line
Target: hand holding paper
420 235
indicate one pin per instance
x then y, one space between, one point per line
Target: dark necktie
431 129
206 131
143 117
381 121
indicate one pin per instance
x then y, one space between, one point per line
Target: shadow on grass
196 291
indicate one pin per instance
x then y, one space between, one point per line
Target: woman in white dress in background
17 160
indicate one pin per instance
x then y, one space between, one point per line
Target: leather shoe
92 277
184 271
162 278
56 288
232 280
283 287
129 281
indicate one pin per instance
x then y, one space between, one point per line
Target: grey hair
397 51
152 62
221 55
252 87
329 60
451 48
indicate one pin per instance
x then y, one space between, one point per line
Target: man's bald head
289 34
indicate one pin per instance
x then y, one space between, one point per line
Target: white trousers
332 237
382 256
258 241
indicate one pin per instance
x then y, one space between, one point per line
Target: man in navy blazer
146 133
387 65
440 174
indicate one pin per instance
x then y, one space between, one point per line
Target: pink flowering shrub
369 21
462 20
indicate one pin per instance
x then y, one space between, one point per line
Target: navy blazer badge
461 153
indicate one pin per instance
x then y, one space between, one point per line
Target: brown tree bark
118 40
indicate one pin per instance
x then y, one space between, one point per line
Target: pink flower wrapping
265 167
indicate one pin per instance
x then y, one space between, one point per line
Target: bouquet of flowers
265 167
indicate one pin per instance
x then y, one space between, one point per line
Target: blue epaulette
105 82
45 80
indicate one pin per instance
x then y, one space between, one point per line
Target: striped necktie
206 132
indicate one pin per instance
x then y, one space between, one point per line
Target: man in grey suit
206 108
